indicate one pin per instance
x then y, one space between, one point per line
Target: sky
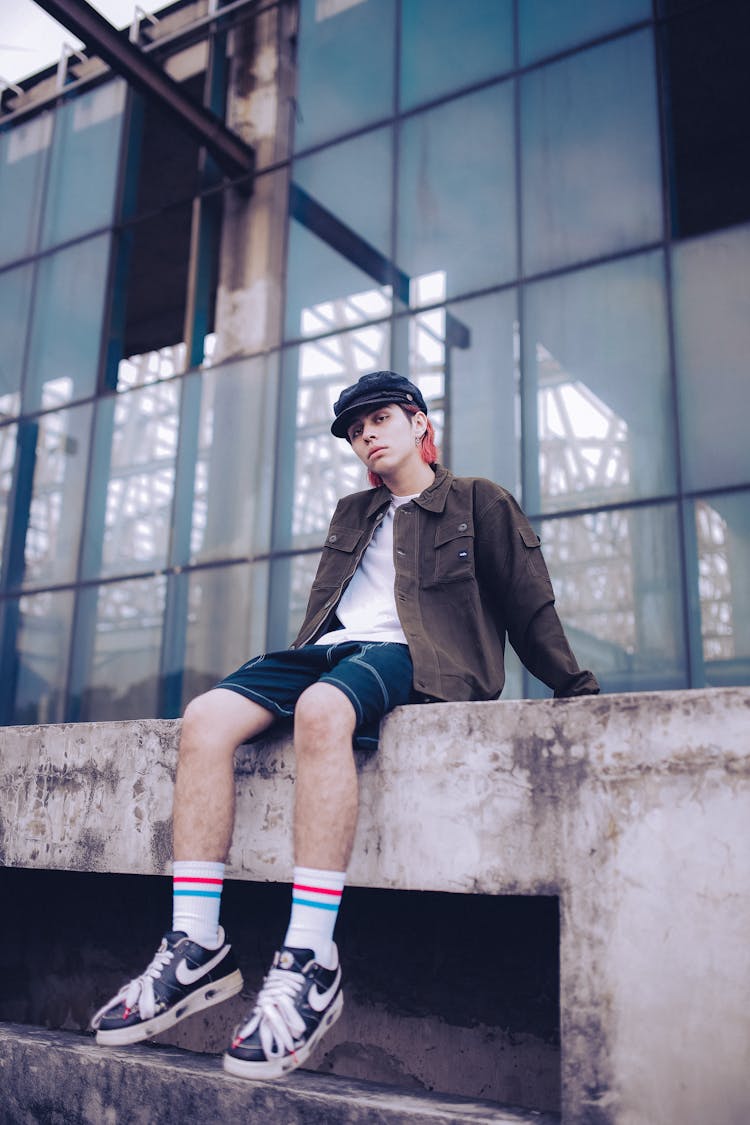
30 40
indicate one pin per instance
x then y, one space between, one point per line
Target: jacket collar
433 498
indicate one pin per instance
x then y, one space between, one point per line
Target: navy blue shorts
375 676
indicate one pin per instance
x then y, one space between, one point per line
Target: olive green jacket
469 571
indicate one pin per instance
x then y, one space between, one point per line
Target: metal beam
230 152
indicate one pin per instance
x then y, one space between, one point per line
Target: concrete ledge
58 1076
632 808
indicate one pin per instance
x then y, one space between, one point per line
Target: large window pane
7 461
619 592
345 66
340 236
597 387
712 340
546 26
445 45
230 413
464 358
56 511
43 626
23 159
119 625
130 502
84 164
15 302
457 223
66 329
226 622
722 525
590 154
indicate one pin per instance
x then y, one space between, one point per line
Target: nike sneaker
298 1003
183 978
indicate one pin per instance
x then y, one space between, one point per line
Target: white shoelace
140 990
275 1013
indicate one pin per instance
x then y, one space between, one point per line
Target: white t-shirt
367 609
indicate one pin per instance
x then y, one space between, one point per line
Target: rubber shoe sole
216 992
278 1068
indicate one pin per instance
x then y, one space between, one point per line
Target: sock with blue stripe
197 890
316 897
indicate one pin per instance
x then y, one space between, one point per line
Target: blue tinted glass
618 585
66 324
597 387
15 298
23 159
43 628
345 66
712 342
7 461
84 165
120 626
590 155
59 486
134 469
546 26
445 45
339 258
722 528
456 195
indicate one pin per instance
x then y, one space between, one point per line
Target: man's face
385 439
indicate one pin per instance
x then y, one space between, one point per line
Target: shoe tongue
170 940
294 959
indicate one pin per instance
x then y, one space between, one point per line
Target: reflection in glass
42 645
722 526
67 325
7 461
546 26
123 623
340 234
597 381
56 511
591 177
616 578
23 159
712 343
345 66
299 573
15 299
84 165
226 622
445 45
141 435
232 486
456 193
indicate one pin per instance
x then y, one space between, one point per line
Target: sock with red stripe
316 897
197 890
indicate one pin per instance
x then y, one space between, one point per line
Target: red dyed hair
427 447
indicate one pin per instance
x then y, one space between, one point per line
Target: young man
420 580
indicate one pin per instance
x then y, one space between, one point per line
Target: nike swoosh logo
190 976
318 1000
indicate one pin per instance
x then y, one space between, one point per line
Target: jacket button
401 551
332 538
462 526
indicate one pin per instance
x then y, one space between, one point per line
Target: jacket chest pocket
337 559
452 557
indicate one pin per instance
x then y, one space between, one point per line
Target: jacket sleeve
514 577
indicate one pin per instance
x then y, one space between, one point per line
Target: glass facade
513 208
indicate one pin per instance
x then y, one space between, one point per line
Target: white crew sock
316 897
197 888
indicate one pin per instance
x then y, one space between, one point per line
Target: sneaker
297 1004
182 978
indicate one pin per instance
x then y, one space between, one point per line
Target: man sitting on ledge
421 578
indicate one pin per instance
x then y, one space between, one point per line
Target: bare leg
214 725
327 791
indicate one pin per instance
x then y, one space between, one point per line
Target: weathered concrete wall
634 809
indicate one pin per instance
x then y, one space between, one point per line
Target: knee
198 723
322 717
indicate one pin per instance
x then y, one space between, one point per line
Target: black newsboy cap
379 387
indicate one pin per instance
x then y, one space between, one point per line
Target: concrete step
64 1078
